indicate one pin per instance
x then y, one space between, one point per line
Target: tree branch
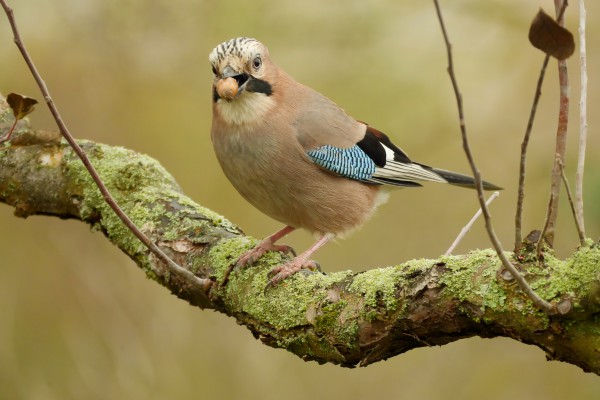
343 318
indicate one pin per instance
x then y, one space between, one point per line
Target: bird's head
240 66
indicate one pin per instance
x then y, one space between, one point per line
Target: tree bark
343 318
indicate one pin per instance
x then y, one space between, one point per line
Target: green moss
295 300
283 309
143 188
328 316
472 279
338 320
209 215
226 253
284 306
581 270
416 267
5 115
312 347
347 325
124 168
378 285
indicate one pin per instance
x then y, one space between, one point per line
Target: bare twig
582 122
525 144
523 284
561 137
541 240
572 204
469 224
524 147
171 265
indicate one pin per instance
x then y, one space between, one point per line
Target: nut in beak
227 88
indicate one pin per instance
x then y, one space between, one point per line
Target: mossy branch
343 318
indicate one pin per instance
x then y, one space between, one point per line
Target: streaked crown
243 49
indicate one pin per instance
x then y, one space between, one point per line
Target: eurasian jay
298 157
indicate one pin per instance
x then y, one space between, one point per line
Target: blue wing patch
351 163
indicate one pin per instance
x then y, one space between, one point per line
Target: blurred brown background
79 320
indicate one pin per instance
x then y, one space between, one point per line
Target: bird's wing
344 146
373 159
347 147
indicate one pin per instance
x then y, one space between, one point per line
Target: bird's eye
214 70
256 63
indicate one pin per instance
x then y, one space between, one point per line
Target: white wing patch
406 172
400 171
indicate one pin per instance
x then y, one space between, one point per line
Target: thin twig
538 301
469 224
525 144
171 265
561 137
582 122
524 147
541 240
572 204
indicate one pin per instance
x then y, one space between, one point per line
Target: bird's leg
300 262
267 244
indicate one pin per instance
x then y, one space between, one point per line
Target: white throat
247 108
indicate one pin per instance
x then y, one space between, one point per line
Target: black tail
463 180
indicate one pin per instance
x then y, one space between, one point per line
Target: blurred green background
79 320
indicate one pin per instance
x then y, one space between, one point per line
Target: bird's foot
284 271
252 255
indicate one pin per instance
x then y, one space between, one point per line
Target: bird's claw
284 271
252 255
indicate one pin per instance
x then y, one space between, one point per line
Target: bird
298 157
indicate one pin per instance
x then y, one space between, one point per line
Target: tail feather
410 174
457 179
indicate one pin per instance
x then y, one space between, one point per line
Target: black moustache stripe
259 86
